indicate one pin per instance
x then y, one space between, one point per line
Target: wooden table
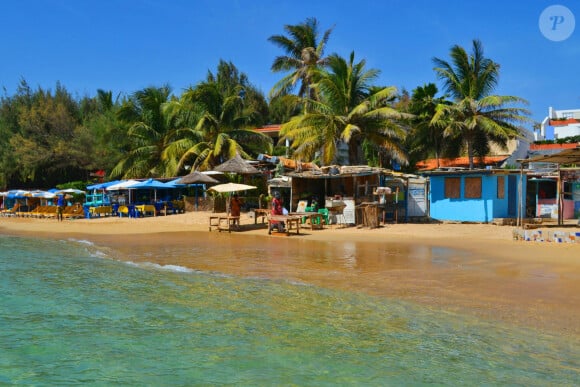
314 218
263 212
214 221
228 223
145 209
97 211
289 220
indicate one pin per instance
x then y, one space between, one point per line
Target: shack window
452 187
500 187
473 187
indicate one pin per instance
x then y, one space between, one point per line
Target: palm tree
426 137
347 112
216 120
476 116
148 134
304 55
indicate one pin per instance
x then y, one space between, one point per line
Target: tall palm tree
347 112
148 134
217 118
426 137
476 116
304 55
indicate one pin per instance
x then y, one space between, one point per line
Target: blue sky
124 46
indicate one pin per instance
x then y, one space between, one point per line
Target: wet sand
475 268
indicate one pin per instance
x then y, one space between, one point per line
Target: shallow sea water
71 313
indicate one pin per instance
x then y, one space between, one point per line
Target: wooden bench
289 220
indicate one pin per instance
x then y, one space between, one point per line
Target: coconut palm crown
304 55
477 116
347 112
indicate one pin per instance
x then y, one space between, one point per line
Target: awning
568 156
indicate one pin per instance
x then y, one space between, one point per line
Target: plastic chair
324 213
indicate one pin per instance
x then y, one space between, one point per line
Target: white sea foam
82 241
156 266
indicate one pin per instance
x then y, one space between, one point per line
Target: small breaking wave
156 266
81 241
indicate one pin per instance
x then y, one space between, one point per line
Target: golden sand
473 268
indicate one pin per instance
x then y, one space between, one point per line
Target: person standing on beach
235 206
59 207
277 209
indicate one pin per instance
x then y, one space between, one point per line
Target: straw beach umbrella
196 177
237 165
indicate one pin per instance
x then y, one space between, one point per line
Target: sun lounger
12 211
73 212
49 212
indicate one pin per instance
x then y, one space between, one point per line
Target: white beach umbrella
70 191
125 184
231 187
43 195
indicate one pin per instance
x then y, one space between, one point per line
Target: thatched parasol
196 177
237 165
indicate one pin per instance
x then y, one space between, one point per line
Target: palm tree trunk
470 153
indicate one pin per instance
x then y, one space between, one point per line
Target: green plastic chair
307 209
324 213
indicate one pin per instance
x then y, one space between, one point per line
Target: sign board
349 211
417 203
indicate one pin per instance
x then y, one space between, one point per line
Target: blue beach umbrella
151 184
102 185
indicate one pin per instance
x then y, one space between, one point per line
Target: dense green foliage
337 115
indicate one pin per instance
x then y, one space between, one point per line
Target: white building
566 123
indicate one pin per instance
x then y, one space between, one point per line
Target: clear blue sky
124 46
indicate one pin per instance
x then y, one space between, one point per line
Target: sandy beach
474 268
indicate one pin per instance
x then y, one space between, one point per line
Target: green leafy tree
476 116
217 118
304 56
43 142
102 135
347 112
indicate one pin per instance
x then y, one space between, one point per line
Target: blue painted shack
475 195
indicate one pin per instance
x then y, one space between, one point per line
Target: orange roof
459 162
564 122
269 129
552 146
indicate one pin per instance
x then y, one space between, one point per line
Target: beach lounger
74 212
12 211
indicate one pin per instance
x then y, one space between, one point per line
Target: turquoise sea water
72 314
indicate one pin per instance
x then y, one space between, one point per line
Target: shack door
512 196
417 201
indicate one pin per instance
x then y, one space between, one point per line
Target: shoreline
474 268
